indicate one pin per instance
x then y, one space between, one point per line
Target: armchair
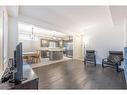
90 57
113 60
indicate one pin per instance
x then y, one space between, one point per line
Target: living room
98 28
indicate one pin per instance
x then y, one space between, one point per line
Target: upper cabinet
51 43
44 43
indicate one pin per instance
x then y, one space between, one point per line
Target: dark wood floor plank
74 74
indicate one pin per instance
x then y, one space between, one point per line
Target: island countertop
51 49
55 49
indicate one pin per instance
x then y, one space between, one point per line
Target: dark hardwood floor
74 74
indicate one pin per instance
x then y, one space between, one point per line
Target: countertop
51 49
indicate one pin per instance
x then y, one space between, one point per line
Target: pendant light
32 34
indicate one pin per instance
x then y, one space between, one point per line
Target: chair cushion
90 55
116 53
110 58
113 59
117 59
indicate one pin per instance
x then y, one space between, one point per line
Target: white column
13 35
78 46
1 39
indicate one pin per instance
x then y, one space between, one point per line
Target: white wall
13 35
125 32
30 45
104 39
5 36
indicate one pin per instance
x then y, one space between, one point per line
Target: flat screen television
17 72
18 61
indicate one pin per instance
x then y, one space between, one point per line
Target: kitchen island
53 53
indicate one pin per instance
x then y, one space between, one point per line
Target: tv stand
30 80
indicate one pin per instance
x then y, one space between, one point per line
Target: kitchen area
43 46
52 49
55 49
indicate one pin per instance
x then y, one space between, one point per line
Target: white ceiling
13 11
72 19
24 28
119 13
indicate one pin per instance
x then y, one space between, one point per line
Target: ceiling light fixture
54 35
32 34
